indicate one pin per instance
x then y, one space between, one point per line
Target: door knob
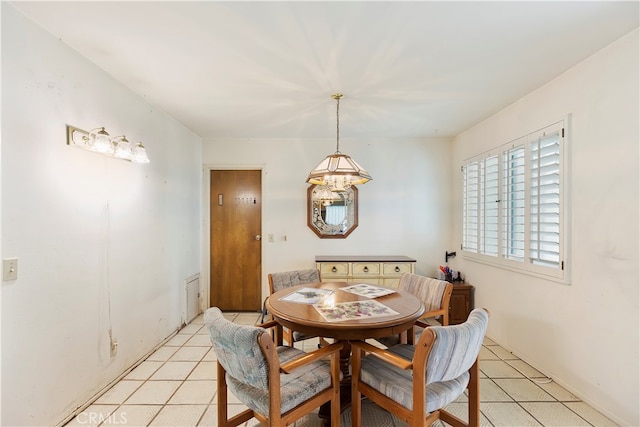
258 237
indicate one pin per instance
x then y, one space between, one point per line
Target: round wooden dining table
304 317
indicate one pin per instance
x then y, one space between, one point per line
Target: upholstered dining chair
286 279
416 382
278 384
435 295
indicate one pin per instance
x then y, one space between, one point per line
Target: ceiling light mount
338 171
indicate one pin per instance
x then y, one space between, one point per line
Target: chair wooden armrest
268 324
383 354
434 313
307 358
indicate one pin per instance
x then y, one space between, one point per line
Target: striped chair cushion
295 388
397 384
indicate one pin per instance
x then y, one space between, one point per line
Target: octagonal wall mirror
332 215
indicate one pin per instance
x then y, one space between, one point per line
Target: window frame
557 270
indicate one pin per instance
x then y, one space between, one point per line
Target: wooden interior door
236 242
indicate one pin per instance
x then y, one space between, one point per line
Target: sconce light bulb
100 141
139 154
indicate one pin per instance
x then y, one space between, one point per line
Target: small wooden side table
461 303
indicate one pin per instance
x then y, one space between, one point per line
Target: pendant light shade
338 171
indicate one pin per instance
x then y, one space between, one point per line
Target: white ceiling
267 69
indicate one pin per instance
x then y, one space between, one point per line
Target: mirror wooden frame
316 222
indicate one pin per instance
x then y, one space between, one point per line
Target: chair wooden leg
222 395
474 395
336 405
356 396
451 419
264 311
335 411
223 414
279 334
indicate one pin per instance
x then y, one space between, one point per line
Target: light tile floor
175 386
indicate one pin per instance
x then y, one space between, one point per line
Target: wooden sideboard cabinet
373 269
461 303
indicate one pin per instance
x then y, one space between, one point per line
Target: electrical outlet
114 347
270 238
10 269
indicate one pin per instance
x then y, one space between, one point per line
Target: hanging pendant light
338 171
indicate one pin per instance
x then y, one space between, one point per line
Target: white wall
584 335
102 243
404 210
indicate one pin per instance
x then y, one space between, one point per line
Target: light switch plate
9 269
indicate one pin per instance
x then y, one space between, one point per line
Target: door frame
206 226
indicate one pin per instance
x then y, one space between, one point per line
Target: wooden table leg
345 385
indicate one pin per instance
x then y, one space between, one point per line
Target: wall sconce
99 141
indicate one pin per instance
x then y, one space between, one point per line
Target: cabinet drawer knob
366 269
334 269
397 269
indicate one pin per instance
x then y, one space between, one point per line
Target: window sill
558 276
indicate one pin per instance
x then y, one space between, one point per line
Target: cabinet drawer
366 269
392 269
334 269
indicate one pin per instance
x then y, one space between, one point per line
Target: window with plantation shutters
513 205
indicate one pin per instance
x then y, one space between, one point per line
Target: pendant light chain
337 97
